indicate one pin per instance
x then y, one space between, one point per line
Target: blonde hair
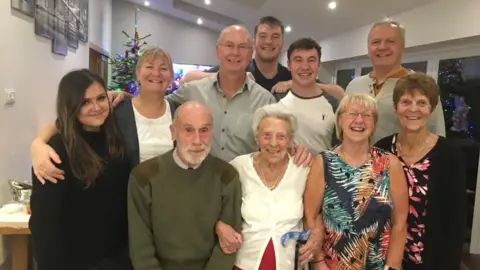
153 53
363 100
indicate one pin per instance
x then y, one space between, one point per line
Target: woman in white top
272 188
143 120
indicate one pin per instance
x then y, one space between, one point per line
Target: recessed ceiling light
332 5
288 29
208 2
146 3
199 21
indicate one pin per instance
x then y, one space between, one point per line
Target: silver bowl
20 191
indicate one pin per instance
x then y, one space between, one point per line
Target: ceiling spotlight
288 29
199 21
332 5
208 2
146 3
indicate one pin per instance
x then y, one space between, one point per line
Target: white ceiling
307 18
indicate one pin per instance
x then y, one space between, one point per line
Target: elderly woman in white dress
272 202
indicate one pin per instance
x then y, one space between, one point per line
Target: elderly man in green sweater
175 199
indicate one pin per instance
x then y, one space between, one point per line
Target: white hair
392 23
276 111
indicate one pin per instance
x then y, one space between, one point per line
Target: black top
78 228
437 196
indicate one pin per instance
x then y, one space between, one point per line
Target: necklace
425 143
346 157
264 179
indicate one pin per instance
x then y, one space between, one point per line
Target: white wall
439 21
29 67
186 42
433 54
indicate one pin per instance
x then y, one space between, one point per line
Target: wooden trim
99 49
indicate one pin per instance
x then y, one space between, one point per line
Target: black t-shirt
282 75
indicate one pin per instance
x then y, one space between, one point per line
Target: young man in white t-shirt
315 114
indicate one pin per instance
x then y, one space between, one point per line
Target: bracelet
317 261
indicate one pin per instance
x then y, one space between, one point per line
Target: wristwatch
389 268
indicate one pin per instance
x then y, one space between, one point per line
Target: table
16 227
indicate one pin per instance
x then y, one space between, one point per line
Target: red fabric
268 260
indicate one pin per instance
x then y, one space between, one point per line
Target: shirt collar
247 85
180 163
403 72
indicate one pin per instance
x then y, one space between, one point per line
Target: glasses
354 115
232 47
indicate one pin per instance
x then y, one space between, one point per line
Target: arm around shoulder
142 244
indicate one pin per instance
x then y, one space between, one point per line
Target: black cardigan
125 118
446 210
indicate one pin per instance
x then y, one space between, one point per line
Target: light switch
10 96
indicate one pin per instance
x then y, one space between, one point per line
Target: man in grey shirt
231 95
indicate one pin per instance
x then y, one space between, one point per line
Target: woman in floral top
435 176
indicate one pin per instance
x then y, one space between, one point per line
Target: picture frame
45 18
59 43
72 20
83 21
26 7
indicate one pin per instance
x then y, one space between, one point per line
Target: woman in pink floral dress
436 179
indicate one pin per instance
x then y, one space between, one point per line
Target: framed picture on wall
83 22
59 44
45 18
72 23
26 7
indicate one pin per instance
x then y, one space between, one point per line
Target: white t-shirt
316 120
269 214
154 136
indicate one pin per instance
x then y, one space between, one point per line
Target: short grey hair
276 111
392 23
364 100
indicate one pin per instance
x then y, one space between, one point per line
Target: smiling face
413 111
273 138
234 49
154 73
385 45
304 65
95 107
268 42
356 122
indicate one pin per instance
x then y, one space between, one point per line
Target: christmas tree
123 65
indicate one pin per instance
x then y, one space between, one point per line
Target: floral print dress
356 212
417 180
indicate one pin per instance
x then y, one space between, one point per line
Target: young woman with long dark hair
81 222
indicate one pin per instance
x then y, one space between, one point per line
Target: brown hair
304 44
420 83
86 165
270 21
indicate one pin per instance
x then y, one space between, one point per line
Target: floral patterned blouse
417 175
